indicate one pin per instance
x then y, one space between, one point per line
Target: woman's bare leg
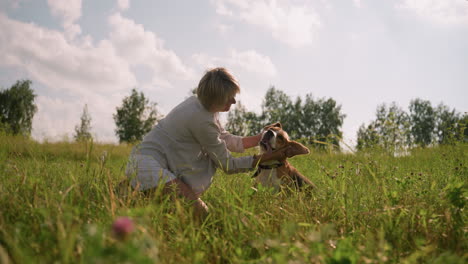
183 190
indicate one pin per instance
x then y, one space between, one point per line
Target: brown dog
280 174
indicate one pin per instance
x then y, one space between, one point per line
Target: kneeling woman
185 148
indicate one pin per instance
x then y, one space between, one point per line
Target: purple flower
122 227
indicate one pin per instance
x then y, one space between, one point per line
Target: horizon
360 53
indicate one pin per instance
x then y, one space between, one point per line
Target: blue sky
359 52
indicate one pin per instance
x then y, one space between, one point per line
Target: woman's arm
251 141
207 134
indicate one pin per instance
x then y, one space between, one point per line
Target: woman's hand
184 191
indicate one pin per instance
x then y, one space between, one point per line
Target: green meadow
58 202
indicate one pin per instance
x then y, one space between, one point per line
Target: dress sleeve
208 134
233 143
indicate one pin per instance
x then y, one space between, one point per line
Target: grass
57 204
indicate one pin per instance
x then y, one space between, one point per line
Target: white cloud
77 71
85 72
59 64
293 24
223 29
142 47
446 12
68 11
123 4
57 117
250 61
53 118
253 62
357 3
206 61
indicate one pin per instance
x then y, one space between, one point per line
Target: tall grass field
58 202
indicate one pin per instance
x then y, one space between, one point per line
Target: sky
361 53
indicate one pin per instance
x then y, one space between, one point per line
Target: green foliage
389 131
276 107
312 119
135 117
17 108
396 131
242 122
457 194
450 125
58 202
83 131
423 122
330 120
236 120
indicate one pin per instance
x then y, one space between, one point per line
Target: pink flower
122 227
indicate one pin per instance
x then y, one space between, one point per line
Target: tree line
133 119
315 121
422 125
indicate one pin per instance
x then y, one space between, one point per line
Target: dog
280 174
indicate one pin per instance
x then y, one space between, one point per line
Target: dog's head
274 137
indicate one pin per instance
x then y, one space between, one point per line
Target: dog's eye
280 137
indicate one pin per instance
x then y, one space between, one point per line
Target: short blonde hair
216 87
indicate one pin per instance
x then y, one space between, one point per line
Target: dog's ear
296 148
277 124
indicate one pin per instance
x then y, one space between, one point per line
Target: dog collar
266 167
269 167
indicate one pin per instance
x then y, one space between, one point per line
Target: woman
185 148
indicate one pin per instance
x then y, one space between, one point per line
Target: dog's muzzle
266 142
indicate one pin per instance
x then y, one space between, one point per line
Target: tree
423 121
83 131
307 119
236 121
276 108
310 122
254 123
394 130
330 119
448 125
393 126
464 127
390 130
17 108
242 122
135 117
319 119
295 121
367 137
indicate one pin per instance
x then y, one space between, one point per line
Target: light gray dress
188 144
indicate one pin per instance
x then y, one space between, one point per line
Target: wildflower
122 227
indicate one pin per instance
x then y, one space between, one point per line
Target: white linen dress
188 144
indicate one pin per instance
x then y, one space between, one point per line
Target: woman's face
227 106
